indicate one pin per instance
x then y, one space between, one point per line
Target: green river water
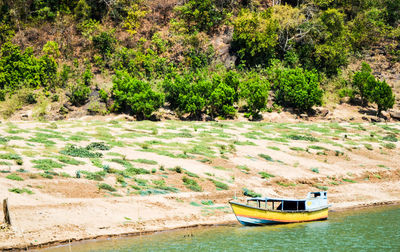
374 229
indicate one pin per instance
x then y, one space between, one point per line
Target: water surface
361 230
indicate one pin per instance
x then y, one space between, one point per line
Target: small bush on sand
98 146
20 191
191 184
219 185
107 187
266 175
250 193
316 170
145 161
266 157
74 151
14 176
46 164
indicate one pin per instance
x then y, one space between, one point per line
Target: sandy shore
50 223
354 162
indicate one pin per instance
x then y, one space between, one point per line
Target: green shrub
23 69
20 191
382 95
104 43
135 96
316 170
255 92
297 88
141 62
177 169
107 187
219 185
79 94
266 157
266 175
373 90
188 93
363 81
103 95
250 193
98 146
221 101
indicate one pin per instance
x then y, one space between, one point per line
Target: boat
265 211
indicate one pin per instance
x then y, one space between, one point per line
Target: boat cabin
314 200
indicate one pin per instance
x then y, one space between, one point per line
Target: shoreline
198 225
202 164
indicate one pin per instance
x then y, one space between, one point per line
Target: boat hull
251 216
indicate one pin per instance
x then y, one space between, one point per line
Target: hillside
196 59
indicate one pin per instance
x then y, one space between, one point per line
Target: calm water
361 230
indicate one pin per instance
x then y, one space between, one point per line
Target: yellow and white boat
264 211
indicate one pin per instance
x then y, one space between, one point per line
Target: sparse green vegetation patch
68 160
303 138
250 193
266 157
20 190
14 176
219 185
106 187
74 151
46 164
145 161
191 184
266 175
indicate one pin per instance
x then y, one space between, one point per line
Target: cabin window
293 205
302 205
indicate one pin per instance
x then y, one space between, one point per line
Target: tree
297 88
293 26
254 91
255 37
363 81
382 95
200 15
367 28
135 96
221 101
135 13
332 51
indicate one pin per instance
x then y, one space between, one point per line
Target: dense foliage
203 56
372 90
297 88
136 96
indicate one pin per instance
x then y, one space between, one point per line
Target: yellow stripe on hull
264 216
